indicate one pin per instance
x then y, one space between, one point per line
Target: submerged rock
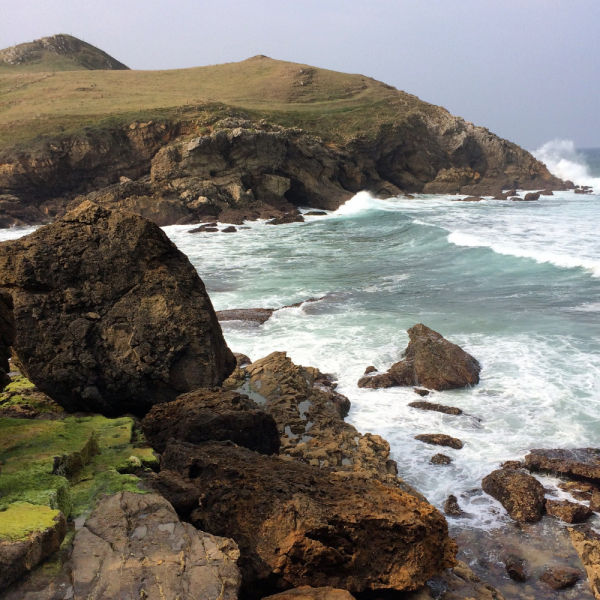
515 568
254 315
301 525
520 494
440 439
423 405
135 546
431 361
28 534
579 463
440 459
560 578
111 318
420 391
451 507
206 415
570 512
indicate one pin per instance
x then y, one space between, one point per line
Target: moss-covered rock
21 399
21 519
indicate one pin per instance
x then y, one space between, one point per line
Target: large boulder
135 546
28 534
7 336
587 545
579 463
111 317
212 415
430 361
519 493
300 525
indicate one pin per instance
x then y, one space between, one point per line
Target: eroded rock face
587 545
299 525
521 494
579 463
111 317
310 593
20 555
135 546
7 336
570 512
206 415
430 361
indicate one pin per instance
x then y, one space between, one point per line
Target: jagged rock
287 218
515 567
204 415
28 534
370 369
440 459
135 546
204 227
512 464
595 501
587 545
547 193
242 359
519 493
431 361
581 463
111 318
302 525
310 422
560 578
7 336
230 229
421 392
440 439
570 512
448 410
451 507
469 199
310 593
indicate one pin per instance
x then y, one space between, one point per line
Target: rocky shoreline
159 455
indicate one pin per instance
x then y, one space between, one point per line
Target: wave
559 260
361 203
563 160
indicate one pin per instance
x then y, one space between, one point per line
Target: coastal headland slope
68 133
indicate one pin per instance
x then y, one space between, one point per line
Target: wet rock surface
448 410
440 439
515 567
522 495
560 579
304 526
440 459
569 512
451 507
430 361
256 315
135 546
206 415
578 463
114 318
587 545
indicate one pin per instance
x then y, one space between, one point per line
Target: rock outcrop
560 579
519 493
299 525
212 415
310 593
7 336
135 546
570 512
28 534
111 317
440 439
430 361
578 463
448 410
587 545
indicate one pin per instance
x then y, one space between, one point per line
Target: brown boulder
520 494
559 578
135 546
440 439
23 551
451 507
531 196
430 361
370 369
300 525
421 392
579 463
287 218
570 512
254 315
205 415
448 410
111 318
310 593
7 336
515 568
587 545
440 459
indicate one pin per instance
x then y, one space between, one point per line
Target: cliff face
177 172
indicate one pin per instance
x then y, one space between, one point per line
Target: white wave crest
362 202
563 160
540 256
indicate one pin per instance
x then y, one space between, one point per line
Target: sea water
516 284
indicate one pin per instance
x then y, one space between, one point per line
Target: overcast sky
529 70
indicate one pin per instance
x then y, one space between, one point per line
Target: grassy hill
337 106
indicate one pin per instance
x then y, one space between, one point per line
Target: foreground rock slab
310 593
430 361
587 544
207 415
299 525
111 317
135 546
28 534
579 463
520 494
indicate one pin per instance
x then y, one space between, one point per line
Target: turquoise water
515 284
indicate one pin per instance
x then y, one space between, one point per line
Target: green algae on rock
21 519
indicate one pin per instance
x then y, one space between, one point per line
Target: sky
528 70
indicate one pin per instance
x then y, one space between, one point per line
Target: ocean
515 284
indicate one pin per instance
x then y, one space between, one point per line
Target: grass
335 106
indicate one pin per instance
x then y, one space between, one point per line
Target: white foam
563 160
